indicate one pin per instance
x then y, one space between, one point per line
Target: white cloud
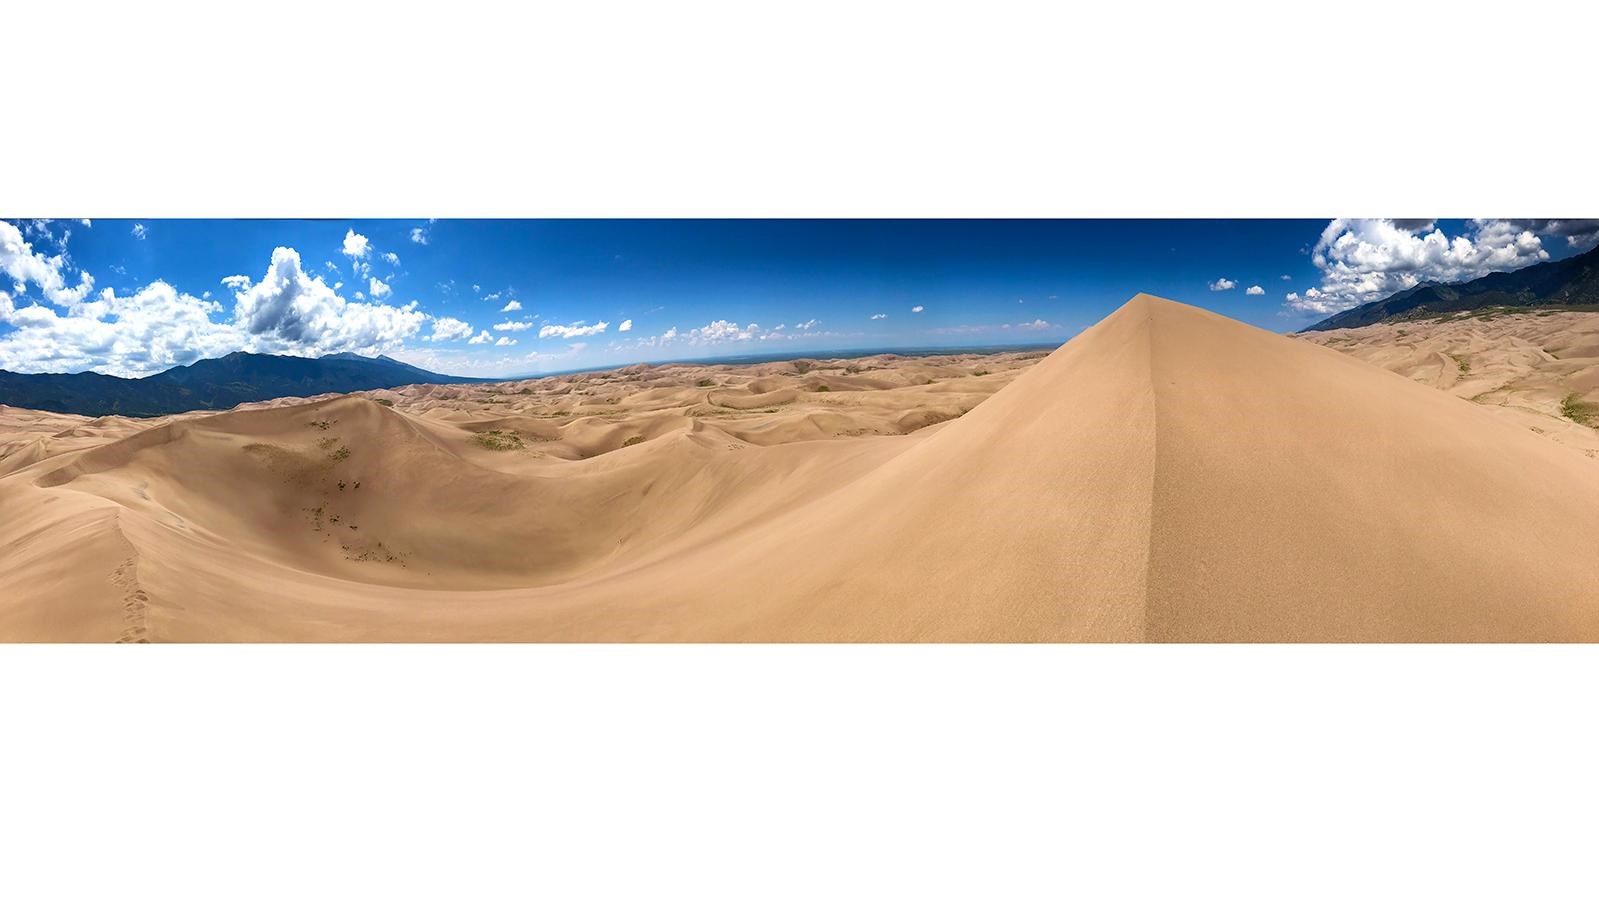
876 316
483 337
1035 325
723 330
627 325
419 235
290 311
1223 284
1254 290
917 309
1362 260
156 327
392 259
513 326
574 330
505 342
139 231
355 246
23 266
512 306
139 334
446 328
378 289
1286 277
806 326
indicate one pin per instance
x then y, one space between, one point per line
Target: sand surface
1524 367
1170 474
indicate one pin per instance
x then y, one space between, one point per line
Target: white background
994 771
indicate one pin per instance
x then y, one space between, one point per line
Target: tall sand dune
1168 475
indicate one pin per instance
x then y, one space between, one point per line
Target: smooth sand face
1170 474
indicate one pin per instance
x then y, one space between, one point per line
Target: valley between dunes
1168 475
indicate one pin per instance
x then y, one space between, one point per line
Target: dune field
1539 370
1168 475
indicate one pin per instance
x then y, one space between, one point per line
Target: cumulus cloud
24 266
446 328
290 311
392 259
419 235
627 325
483 337
876 316
512 306
1254 290
505 342
917 309
378 289
355 245
1286 277
574 330
1223 284
714 332
723 330
153 329
1362 260
513 326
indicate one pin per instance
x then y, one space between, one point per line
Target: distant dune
1538 370
1168 475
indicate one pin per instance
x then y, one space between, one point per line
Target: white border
812 771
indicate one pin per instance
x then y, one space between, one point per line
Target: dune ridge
1168 475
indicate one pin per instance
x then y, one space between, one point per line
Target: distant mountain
213 384
1567 282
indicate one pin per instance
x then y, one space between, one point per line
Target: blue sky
131 297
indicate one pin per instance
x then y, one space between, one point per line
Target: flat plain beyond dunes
1168 475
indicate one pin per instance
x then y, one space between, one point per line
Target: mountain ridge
213 384
1573 281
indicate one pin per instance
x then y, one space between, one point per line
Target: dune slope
1169 475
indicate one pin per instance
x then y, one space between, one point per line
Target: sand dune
1525 367
1168 475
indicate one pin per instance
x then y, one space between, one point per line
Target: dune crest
1168 475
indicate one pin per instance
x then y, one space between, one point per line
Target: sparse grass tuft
823 389
340 455
499 440
704 382
1465 367
1580 411
383 401
322 424
635 439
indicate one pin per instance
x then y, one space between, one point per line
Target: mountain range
1571 282
220 383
